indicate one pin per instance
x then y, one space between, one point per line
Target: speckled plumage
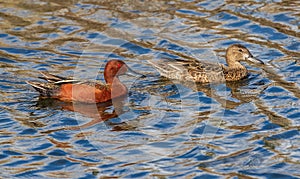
207 72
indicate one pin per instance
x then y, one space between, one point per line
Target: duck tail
160 65
51 78
43 88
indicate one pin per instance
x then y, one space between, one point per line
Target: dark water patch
275 89
115 164
84 143
135 48
5 60
29 174
60 135
137 175
285 135
57 152
3 35
3 156
269 125
28 132
294 116
59 164
237 24
271 33
190 12
165 125
96 35
5 120
207 176
295 46
42 146
225 16
283 18
13 153
70 29
19 51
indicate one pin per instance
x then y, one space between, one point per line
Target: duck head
115 68
236 53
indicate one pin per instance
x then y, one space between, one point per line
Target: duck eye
240 50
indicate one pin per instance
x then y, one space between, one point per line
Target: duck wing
58 80
54 83
52 78
197 71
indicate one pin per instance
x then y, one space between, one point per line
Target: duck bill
255 60
130 72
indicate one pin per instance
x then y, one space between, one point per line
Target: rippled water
163 128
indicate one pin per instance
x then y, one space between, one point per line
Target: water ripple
164 128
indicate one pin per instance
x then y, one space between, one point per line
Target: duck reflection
231 95
236 93
98 112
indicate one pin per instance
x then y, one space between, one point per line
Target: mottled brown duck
207 72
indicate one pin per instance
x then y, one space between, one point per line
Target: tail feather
164 67
51 78
43 88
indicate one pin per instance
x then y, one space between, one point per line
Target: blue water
163 128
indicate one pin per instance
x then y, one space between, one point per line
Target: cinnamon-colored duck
71 90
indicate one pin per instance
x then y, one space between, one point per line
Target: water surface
164 128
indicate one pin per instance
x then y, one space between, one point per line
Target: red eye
119 65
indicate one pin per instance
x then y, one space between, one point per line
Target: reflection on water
164 128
